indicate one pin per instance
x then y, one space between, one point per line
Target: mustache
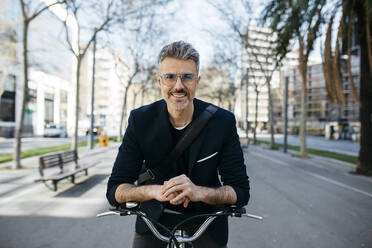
179 91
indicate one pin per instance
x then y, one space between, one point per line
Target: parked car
53 130
96 130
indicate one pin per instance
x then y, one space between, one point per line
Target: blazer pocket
206 158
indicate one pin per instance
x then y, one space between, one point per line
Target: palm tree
356 19
299 20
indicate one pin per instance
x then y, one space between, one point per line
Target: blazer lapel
195 146
161 144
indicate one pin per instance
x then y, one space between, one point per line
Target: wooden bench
60 166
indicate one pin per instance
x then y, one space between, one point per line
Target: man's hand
157 193
184 189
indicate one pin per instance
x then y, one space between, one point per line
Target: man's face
179 95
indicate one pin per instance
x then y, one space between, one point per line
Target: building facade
320 111
111 80
258 63
50 91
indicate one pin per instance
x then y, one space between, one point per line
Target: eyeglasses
170 79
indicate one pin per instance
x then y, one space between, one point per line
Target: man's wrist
221 195
203 193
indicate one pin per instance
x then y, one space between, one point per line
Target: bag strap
186 139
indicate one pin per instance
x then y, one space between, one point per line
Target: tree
77 13
140 34
265 61
256 85
213 87
299 20
355 19
225 59
30 11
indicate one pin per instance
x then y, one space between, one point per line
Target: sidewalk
314 159
33 162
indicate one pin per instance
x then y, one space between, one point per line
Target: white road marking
273 160
339 184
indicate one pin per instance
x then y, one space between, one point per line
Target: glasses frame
185 82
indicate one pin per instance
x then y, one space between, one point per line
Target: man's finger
171 183
173 190
178 199
186 202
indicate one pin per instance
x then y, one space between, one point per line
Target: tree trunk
20 120
74 145
123 112
255 118
271 119
365 153
303 71
143 91
134 99
303 149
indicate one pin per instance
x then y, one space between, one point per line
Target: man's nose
179 84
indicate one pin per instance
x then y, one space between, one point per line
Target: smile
178 95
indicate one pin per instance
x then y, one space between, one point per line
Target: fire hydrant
103 140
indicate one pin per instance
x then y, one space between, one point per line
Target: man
193 186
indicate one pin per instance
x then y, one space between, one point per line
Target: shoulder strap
186 139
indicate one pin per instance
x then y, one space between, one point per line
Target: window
7 100
49 107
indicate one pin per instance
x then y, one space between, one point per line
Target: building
319 110
50 95
258 63
111 80
108 90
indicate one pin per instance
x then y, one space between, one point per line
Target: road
317 142
305 203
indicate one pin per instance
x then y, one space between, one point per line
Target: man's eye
170 76
187 76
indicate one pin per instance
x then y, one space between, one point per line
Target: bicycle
177 238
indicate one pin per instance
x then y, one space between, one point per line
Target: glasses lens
187 76
170 77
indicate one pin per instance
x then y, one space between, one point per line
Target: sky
193 17
197 15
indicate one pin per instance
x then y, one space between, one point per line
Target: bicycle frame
173 239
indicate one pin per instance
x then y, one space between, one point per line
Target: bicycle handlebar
131 208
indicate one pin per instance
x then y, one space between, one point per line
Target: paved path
306 203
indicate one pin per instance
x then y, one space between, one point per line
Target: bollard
103 140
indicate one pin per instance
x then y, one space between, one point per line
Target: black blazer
216 151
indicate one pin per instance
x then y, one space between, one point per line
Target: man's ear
197 81
158 80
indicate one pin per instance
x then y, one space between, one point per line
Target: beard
178 104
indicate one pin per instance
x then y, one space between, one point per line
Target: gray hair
180 50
